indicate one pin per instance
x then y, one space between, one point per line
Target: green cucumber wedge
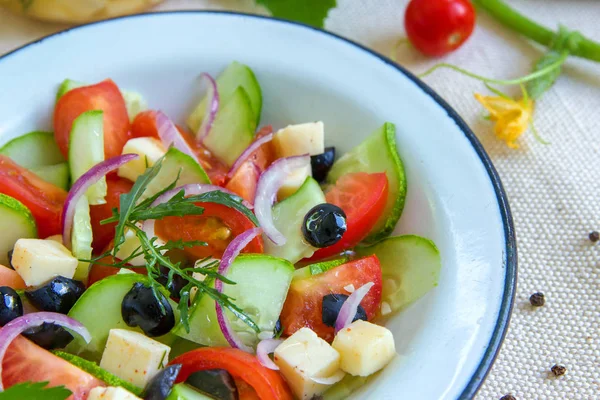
67 85
181 391
86 149
234 76
344 388
16 222
377 153
410 267
318 268
57 174
81 238
34 149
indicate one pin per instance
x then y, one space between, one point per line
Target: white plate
448 339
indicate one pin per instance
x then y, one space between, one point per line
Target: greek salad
220 259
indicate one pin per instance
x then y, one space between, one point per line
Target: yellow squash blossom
512 117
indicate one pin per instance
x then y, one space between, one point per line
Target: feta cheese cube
293 182
295 140
133 357
128 247
303 356
149 151
111 393
364 348
38 261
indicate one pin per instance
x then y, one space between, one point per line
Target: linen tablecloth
554 189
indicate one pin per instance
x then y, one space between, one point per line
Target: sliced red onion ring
248 152
190 190
212 106
82 184
169 135
17 326
231 252
266 192
350 306
264 348
335 378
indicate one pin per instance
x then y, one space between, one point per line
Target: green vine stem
580 46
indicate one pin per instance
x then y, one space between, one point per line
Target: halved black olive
214 382
160 386
324 225
59 295
176 285
49 336
11 306
331 308
141 308
322 163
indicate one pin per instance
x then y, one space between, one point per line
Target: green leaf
311 12
35 391
177 206
226 200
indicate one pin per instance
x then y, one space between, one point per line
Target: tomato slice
244 181
10 278
304 303
217 226
265 154
363 198
43 199
27 362
103 234
268 384
104 96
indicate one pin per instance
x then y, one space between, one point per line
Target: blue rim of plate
510 252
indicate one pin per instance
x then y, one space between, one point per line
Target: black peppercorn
558 370
594 236
508 397
537 299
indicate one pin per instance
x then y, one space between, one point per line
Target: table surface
554 189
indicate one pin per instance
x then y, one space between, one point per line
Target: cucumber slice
99 310
81 238
57 174
233 129
16 222
67 85
410 267
34 149
86 149
176 163
318 268
344 388
261 287
288 217
181 391
234 76
378 153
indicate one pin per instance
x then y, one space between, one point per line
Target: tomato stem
511 18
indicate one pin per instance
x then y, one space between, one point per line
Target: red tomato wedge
43 199
268 384
304 303
104 96
244 181
27 362
265 154
363 198
217 226
10 278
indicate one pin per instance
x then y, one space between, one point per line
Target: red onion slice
82 184
330 380
169 135
248 152
231 252
350 306
264 348
212 106
266 192
17 326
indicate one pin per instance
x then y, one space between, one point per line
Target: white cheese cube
133 357
38 261
302 356
149 151
111 393
295 140
364 348
130 246
293 182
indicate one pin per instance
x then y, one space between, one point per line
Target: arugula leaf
35 391
226 200
311 12
177 206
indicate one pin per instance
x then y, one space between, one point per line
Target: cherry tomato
265 154
104 96
363 198
304 303
43 199
244 181
9 277
268 384
437 27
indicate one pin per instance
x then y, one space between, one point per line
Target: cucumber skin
9 204
57 174
39 142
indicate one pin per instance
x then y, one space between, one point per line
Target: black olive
59 295
322 163
141 308
176 284
49 336
160 386
9 255
11 306
278 328
332 303
324 225
214 382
